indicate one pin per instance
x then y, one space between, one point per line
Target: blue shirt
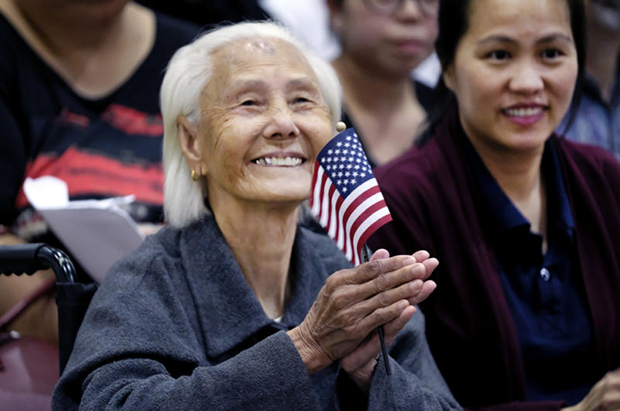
545 293
597 121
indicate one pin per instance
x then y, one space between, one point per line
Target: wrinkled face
514 72
391 45
263 122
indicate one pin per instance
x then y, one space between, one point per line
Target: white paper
96 232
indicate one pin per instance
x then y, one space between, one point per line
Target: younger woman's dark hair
453 23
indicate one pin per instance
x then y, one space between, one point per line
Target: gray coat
175 326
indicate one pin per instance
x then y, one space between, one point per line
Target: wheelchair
29 368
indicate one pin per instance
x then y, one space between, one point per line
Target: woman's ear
191 145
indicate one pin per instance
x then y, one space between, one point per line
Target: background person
227 307
598 119
381 42
79 88
526 315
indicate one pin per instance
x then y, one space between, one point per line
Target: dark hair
453 23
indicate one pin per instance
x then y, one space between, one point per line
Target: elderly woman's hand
361 363
353 303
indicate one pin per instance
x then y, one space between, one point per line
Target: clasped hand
353 303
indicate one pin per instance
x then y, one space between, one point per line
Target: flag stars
337 152
347 174
353 181
339 144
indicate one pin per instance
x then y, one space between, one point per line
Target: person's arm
138 349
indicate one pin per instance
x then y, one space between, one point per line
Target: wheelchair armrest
29 258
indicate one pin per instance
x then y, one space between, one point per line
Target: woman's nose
527 79
408 10
281 124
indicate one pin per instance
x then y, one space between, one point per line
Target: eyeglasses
429 8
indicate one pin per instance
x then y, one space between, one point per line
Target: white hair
188 72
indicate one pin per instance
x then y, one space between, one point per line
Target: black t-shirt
101 148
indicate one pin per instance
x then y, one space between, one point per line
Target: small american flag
346 198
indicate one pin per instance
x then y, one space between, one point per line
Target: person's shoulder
419 166
158 252
589 158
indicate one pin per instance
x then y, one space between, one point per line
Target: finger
421 255
345 293
431 264
370 348
392 328
387 282
380 254
406 291
380 316
426 290
371 270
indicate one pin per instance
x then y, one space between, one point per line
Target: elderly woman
231 306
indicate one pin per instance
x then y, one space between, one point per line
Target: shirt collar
499 208
229 311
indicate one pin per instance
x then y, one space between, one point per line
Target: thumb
380 254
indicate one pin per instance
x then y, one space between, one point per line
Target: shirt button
545 275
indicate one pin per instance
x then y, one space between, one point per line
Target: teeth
523 112
278 161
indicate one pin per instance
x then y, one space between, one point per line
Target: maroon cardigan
432 196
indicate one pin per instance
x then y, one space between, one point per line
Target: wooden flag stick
384 352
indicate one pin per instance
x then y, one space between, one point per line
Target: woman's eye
248 103
499 55
551 53
301 100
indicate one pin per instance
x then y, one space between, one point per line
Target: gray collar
229 312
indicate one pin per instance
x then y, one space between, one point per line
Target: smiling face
388 44
514 72
263 122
